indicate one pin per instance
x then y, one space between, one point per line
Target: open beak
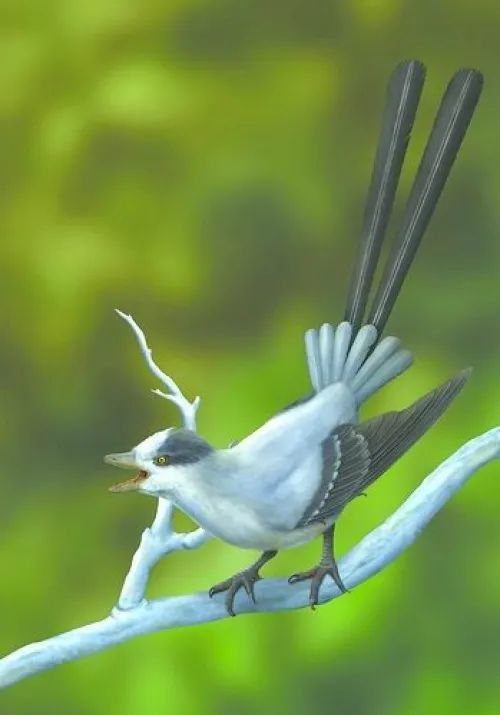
126 460
131 485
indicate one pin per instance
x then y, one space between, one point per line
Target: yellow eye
161 461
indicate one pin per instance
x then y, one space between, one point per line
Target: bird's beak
131 485
126 460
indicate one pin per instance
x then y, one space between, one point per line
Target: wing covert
354 456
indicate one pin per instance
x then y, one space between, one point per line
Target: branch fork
159 539
134 615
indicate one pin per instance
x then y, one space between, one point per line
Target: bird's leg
327 566
243 579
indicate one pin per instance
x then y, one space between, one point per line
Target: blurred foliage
203 165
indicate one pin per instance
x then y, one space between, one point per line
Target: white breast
237 506
253 495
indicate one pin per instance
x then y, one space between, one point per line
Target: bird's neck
202 489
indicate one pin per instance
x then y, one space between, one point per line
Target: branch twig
376 551
187 409
156 542
159 539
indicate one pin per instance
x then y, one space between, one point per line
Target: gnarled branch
377 550
187 409
156 542
159 539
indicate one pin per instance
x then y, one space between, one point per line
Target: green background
203 165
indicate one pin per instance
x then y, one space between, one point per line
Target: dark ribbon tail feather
403 95
450 126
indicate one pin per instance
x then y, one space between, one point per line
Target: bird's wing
354 456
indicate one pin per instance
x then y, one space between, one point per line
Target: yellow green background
203 165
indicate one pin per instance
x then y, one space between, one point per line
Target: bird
289 481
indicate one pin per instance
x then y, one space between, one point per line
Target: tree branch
156 542
159 539
187 409
376 551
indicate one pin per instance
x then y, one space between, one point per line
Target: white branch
187 409
371 555
158 540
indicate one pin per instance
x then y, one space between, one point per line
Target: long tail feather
450 126
403 94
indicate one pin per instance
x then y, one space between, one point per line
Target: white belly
243 528
250 503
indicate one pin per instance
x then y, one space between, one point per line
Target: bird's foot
317 575
244 579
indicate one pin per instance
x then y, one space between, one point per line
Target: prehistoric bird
289 481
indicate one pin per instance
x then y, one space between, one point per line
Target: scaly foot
317 575
244 579
326 567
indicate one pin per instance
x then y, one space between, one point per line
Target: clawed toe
220 587
317 576
301 576
244 579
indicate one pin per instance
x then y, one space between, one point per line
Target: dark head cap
183 446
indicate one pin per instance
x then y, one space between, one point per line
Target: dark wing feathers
391 435
346 461
354 456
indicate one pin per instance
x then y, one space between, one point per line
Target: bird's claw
317 576
244 579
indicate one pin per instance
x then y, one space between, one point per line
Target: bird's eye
161 461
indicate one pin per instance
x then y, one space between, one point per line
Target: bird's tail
354 352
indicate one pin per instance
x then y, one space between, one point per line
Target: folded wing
354 456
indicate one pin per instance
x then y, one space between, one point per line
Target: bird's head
159 459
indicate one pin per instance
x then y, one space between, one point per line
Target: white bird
288 482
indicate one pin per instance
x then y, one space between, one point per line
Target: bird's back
279 465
